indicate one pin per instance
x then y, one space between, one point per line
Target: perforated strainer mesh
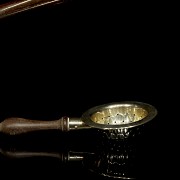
119 115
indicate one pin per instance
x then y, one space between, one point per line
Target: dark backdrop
65 59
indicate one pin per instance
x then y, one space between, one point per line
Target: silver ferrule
76 124
75 156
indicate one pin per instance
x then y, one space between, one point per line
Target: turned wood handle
17 6
13 126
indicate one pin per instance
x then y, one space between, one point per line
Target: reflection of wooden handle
13 126
25 154
17 6
64 156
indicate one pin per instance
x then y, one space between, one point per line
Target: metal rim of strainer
151 113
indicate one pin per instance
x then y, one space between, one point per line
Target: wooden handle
17 6
13 126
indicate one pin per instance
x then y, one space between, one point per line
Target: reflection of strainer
106 158
115 117
118 165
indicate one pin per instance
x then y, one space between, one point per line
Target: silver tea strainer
117 118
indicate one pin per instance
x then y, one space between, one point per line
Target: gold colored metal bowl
119 115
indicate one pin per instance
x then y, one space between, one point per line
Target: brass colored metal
119 115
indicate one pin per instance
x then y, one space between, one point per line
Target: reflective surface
115 163
81 154
100 157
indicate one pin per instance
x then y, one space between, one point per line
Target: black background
65 59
